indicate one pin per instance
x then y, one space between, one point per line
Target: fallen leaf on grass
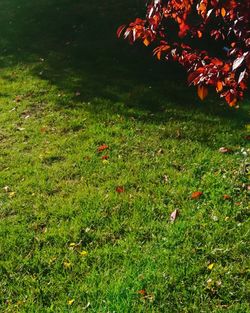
102 148
225 150
160 151
43 129
71 301
6 189
18 98
174 215
211 266
12 194
196 195
209 283
120 189
247 137
67 264
142 292
105 157
165 178
83 253
145 295
227 197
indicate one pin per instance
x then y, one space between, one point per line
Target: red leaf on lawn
105 157
226 197
225 150
102 148
142 292
174 215
196 194
120 189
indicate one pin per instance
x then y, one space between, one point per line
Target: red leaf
142 292
196 194
146 42
219 86
102 148
105 157
120 30
120 189
216 61
202 92
226 197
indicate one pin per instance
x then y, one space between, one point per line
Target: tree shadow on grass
74 46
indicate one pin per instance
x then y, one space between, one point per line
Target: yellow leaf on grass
202 92
67 264
83 253
71 301
12 194
211 266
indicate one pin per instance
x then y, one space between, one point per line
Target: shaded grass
68 86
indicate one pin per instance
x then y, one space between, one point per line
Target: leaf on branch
202 92
219 86
223 12
237 63
120 30
146 42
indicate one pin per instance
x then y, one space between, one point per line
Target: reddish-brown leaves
102 148
142 292
120 189
105 157
120 30
196 195
228 24
202 92
145 295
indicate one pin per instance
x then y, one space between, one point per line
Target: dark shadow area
74 45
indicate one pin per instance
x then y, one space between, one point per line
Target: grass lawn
69 240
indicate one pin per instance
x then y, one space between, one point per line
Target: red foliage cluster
225 21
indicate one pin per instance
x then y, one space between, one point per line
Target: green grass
67 86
